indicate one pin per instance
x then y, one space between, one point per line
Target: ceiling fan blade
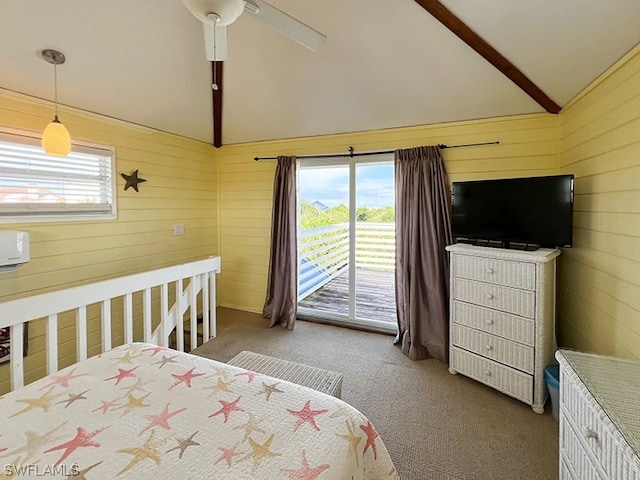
220 42
285 24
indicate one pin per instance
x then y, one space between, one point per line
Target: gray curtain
423 230
280 306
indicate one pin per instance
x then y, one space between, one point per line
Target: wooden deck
375 296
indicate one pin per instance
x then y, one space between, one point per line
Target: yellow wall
528 146
599 279
596 137
181 187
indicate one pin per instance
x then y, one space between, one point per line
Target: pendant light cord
55 88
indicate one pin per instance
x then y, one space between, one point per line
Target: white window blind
34 184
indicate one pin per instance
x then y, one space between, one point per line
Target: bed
144 410
141 410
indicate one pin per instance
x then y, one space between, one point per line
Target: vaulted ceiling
385 63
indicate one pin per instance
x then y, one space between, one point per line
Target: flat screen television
535 211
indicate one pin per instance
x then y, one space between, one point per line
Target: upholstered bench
324 381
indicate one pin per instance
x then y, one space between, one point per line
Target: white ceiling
386 63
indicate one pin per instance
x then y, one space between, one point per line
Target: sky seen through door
330 185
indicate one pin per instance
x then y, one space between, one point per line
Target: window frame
62 216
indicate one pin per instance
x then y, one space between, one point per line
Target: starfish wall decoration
132 180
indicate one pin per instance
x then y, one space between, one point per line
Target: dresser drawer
586 424
504 351
572 449
596 432
511 300
508 380
496 271
506 325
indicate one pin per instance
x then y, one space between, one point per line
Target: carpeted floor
434 424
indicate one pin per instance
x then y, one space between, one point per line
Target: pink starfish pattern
227 408
162 419
63 380
122 374
227 455
306 415
106 406
249 374
82 439
155 350
185 378
371 434
305 472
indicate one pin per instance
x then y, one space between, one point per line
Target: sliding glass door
346 246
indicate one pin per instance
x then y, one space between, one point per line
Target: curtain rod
351 153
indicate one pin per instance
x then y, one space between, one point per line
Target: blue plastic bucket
552 377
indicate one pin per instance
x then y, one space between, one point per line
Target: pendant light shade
55 138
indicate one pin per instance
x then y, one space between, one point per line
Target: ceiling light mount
54 57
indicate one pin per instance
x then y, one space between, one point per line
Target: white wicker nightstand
599 417
502 318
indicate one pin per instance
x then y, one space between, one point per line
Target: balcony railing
324 252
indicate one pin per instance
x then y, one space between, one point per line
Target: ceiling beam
468 36
216 76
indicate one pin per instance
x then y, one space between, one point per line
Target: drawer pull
489 296
588 433
487 373
489 322
490 271
489 347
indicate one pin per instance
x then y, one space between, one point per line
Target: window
346 241
35 186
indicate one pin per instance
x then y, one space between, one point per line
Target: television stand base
527 247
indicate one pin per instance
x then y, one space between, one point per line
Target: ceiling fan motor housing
227 10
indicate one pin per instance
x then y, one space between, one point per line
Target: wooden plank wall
599 279
181 188
528 146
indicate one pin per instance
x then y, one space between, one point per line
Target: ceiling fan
217 15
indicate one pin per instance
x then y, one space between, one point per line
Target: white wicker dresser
599 417
502 318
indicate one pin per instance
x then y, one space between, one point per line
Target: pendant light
55 138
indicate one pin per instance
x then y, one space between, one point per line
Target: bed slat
81 333
164 315
193 310
146 313
15 356
106 325
212 315
128 318
179 318
205 306
52 344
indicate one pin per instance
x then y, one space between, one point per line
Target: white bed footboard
201 279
